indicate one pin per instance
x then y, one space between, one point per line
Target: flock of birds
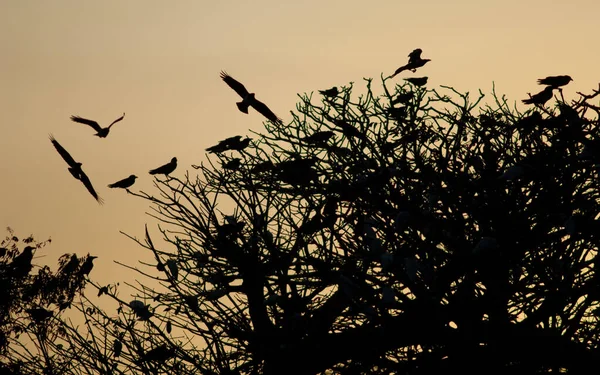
415 61
248 100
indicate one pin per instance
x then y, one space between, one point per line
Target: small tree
413 232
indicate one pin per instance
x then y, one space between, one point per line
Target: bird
249 99
414 61
100 131
541 97
160 353
124 183
555 81
331 93
319 137
421 81
21 264
39 314
165 169
87 266
233 164
231 143
75 169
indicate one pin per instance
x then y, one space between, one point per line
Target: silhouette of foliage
31 297
441 235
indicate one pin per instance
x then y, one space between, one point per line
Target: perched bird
21 264
414 61
39 314
331 93
555 81
160 353
403 98
75 169
87 266
69 266
248 99
124 183
421 81
232 143
100 131
319 137
233 164
541 97
165 169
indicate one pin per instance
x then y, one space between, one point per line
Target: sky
159 62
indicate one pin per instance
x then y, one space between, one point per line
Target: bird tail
527 101
243 107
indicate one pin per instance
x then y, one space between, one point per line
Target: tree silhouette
31 297
363 237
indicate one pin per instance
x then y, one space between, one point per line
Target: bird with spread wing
414 61
100 131
75 169
248 99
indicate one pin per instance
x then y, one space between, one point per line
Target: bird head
174 160
133 176
92 257
570 79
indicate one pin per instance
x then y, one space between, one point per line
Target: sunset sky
159 62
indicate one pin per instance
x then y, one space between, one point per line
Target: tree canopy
414 231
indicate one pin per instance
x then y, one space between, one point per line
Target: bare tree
440 235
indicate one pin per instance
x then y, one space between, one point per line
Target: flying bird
75 169
555 81
414 61
248 99
124 183
165 169
100 131
541 97
421 81
331 93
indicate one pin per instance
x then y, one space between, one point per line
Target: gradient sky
159 62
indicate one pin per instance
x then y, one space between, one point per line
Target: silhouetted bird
403 98
331 93
69 267
421 81
319 137
124 183
100 131
159 354
414 61
233 164
541 97
39 314
248 99
87 266
21 264
555 81
165 169
232 143
75 169
347 129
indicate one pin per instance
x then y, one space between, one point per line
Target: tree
414 232
31 301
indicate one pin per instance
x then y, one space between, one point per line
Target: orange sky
159 62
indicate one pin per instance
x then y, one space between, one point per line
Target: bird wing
235 85
91 123
262 108
117 120
65 155
416 54
86 182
